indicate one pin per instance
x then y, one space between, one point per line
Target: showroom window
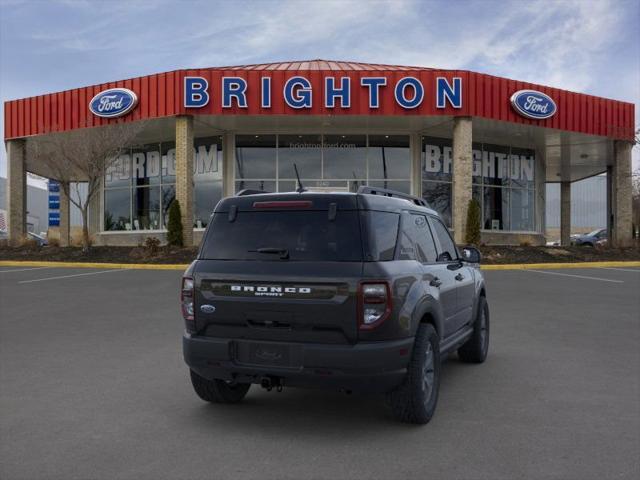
503 183
140 185
325 162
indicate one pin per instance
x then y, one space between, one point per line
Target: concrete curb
183 266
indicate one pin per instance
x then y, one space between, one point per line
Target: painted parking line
69 276
576 276
24 269
637 270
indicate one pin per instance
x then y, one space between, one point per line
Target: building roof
320 64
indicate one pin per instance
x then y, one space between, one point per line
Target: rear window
281 236
382 228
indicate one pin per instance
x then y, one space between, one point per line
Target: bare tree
82 156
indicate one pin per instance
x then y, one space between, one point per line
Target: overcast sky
582 45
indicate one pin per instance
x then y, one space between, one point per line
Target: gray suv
357 291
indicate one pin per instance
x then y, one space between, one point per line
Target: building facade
446 135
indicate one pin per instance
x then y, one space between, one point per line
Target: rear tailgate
278 300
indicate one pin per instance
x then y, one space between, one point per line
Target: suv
357 291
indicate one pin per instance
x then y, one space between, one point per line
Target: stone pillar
228 164
621 184
184 174
65 216
565 213
462 175
16 191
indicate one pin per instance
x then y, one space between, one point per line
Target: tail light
186 301
374 304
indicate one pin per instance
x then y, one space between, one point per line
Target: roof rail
248 191
393 193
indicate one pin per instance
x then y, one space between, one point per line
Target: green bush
473 223
174 228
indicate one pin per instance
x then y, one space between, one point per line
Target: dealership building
445 135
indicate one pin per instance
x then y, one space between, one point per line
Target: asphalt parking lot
92 386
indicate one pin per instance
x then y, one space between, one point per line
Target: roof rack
393 193
248 191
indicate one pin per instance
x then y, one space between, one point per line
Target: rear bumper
370 367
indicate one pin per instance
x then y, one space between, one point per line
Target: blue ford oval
114 102
533 104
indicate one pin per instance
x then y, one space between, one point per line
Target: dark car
591 239
351 291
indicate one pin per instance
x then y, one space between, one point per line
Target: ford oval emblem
114 102
533 104
207 308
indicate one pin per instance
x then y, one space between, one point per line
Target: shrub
174 227
152 246
472 236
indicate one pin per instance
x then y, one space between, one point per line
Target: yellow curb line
525 266
132 266
151 266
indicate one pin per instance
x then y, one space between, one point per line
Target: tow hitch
269 383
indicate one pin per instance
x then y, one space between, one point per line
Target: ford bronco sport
357 291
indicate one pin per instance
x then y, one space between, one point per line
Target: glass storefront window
389 157
522 167
206 196
255 156
436 159
145 165
438 197
117 205
497 171
303 150
496 208
521 210
168 162
264 185
118 174
168 195
146 208
344 156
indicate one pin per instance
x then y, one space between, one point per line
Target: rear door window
426 247
381 233
268 235
447 249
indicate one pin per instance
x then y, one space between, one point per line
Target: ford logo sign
533 104
207 308
114 102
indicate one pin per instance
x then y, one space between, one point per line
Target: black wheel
476 348
218 391
415 400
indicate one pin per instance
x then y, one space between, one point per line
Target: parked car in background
591 239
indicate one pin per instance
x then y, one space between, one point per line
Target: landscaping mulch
491 255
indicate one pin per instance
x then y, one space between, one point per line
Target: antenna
300 188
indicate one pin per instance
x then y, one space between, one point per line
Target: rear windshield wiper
283 252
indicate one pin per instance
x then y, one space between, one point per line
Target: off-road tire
218 391
476 348
414 401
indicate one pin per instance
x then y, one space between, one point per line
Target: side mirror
471 255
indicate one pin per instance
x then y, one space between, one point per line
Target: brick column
65 215
16 191
462 175
184 174
621 185
565 213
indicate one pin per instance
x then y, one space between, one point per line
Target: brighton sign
298 93
113 103
533 104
